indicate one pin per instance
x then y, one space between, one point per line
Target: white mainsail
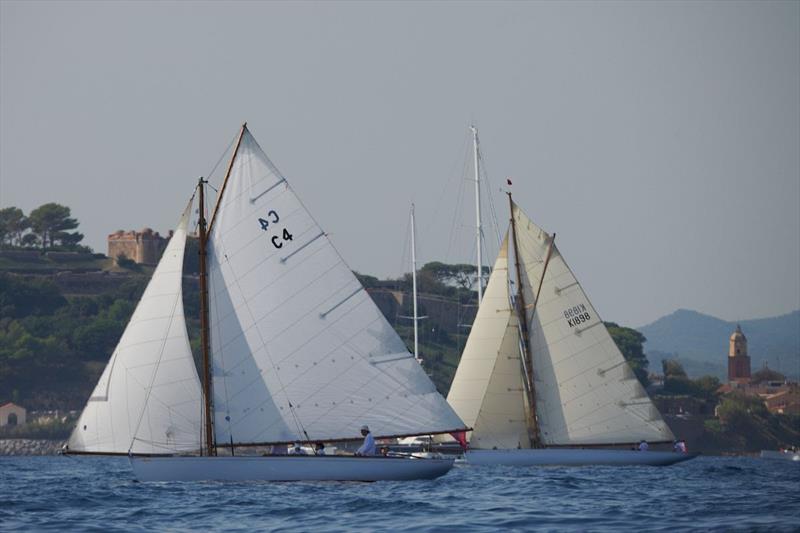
148 397
487 390
299 349
586 392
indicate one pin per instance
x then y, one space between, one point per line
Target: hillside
701 341
62 315
58 327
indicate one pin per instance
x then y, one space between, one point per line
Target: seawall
30 446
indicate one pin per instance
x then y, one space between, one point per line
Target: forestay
586 392
299 349
147 400
487 390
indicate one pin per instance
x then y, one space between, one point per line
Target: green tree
50 222
97 339
675 379
29 240
460 275
738 412
124 262
631 343
69 240
427 282
16 343
677 382
13 224
707 387
191 256
672 368
20 297
767 374
121 310
83 306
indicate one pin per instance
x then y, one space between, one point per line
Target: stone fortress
143 247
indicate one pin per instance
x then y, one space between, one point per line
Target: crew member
368 448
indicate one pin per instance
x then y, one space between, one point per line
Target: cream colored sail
487 390
147 399
586 392
299 349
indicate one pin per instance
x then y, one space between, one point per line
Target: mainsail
487 390
147 399
299 349
586 392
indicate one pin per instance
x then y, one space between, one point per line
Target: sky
659 140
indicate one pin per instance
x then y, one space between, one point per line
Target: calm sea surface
98 494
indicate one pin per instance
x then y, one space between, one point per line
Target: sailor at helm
368 448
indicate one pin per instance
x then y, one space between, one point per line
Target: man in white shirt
368 448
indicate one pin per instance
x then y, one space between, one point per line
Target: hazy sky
660 141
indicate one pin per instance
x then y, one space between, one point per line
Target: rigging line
169 407
333 248
196 225
487 186
406 245
459 202
361 358
399 388
402 277
149 389
308 213
446 186
221 157
213 293
276 307
246 305
328 328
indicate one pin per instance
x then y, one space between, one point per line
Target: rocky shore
30 446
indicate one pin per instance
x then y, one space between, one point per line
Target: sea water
708 493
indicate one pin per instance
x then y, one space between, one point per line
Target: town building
12 414
780 396
143 247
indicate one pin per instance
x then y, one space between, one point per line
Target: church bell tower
738 360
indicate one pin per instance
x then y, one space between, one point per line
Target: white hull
287 468
574 457
785 456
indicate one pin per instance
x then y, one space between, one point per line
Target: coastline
30 446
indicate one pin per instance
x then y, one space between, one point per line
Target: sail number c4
273 218
577 315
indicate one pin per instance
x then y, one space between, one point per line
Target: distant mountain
701 342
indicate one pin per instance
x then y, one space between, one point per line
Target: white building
12 414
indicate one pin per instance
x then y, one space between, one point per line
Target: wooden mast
204 329
533 423
204 231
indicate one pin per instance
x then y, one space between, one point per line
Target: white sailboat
541 381
294 350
